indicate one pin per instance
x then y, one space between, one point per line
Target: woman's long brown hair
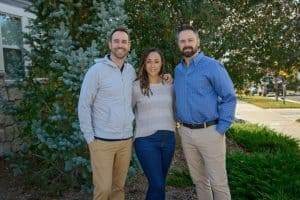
143 75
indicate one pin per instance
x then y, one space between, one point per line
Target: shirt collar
107 57
195 59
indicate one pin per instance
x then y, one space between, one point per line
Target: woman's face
153 64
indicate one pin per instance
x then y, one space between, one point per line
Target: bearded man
205 108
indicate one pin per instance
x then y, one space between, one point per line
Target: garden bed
261 163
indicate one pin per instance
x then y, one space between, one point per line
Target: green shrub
254 138
179 178
268 168
264 175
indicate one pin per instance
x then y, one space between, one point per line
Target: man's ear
109 44
129 44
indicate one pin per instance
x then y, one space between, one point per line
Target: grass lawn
265 102
266 166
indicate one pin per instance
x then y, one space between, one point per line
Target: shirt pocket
200 84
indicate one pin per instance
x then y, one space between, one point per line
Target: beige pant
205 152
110 162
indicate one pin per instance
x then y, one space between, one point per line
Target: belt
111 140
197 126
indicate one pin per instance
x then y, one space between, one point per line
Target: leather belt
197 126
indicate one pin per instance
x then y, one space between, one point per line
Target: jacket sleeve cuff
222 127
89 137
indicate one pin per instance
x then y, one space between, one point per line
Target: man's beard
120 55
190 53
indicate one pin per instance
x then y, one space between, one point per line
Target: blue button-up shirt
204 92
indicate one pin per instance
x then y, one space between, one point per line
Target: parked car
267 84
271 84
251 90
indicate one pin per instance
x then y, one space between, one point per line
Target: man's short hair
122 29
186 27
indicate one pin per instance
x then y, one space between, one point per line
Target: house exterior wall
9 131
8 128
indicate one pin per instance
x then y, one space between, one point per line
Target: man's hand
167 78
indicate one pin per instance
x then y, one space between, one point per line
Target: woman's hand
167 78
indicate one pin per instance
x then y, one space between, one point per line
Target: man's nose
120 44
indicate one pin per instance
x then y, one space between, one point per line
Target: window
11 41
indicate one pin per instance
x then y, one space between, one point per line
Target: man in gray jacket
105 116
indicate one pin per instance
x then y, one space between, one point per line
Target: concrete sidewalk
281 120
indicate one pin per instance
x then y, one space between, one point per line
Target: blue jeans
155 153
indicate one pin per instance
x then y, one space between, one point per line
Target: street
294 98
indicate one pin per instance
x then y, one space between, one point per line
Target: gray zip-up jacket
104 107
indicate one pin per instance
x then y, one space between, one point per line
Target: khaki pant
110 162
205 153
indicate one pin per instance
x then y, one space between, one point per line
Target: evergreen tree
65 38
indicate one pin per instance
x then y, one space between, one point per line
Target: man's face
119 45
188 43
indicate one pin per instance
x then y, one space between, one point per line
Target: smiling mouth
153 70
